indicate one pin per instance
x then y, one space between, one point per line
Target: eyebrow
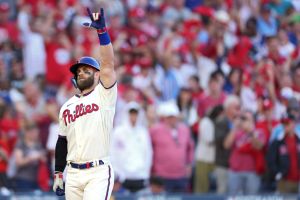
82 68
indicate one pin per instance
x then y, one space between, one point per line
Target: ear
97 75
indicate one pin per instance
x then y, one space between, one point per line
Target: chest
81 111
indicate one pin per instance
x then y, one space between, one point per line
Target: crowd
208 92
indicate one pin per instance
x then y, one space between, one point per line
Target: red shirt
207 102
294 173
4 145
240 161
266 127
57 64
9 30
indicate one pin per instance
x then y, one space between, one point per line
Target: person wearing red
213 96
284 157
265 121
8 29
246 160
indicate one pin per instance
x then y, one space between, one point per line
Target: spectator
224 124
28 154
206 151
131 151
213 96
186 107
173 149
246 160
234 82
266 24
284 157
33 41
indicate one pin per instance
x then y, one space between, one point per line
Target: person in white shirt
206 150
131 151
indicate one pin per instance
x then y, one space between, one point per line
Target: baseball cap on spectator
4 6
145 62
286 93
267 104
168 109
133 107
265 7
287 118
222 16
137 13
204 11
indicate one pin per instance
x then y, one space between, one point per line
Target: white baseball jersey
86 122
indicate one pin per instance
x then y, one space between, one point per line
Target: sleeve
220 132
190 149
61 151
149 150
62 124
206 129
108 96
272 157
52 136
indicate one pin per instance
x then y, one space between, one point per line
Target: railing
51 196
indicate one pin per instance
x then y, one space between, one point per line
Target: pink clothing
171 155
206 102
241 160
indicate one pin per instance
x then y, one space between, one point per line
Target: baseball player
85 123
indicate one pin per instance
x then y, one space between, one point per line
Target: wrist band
101 30
104 38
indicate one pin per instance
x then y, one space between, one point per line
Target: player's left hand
97 20
58 185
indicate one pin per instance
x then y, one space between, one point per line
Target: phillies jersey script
87 121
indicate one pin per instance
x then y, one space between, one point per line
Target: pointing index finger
101 12
90 14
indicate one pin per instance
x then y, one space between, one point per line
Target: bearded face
85 78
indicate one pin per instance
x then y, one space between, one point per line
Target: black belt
86 165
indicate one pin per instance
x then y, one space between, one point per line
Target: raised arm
107 72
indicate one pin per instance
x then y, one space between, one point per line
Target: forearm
61 152
107 56
23 161
229 140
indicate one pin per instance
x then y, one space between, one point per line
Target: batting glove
58 185
97 20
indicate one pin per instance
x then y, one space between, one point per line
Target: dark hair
215 75
189 104
215 112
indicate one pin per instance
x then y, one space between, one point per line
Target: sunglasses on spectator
244 118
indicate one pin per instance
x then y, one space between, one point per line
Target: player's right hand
58 185
97 20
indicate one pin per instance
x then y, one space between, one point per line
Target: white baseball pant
95 183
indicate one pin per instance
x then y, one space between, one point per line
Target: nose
79 73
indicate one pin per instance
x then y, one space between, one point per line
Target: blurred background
208 94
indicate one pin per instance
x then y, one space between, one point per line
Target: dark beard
86 84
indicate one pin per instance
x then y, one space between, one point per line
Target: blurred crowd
208 92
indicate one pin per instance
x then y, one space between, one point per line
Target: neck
215 94
88 90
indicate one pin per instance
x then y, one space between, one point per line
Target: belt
86 165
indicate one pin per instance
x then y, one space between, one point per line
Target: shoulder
112 86
183 126
156 127
68 103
